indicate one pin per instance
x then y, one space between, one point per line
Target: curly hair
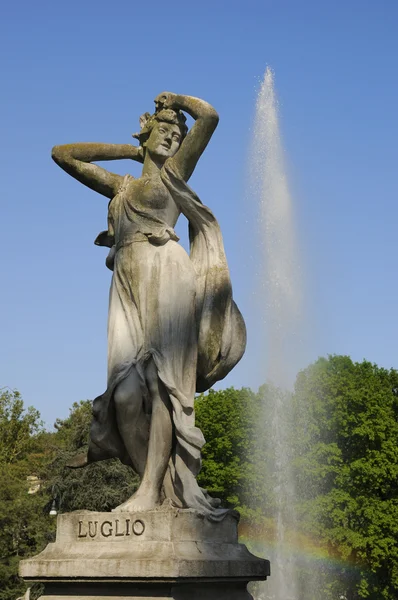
166 115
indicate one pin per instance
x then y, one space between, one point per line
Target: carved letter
127 527
94 533
110 530
138 527
117 532
80 534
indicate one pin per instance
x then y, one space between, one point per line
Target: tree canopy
24 525
100 486
346 469
341 423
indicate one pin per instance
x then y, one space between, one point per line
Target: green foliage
100 486
18 427
347 468
227 419
26 450
25 525
73 432
342 423
24 522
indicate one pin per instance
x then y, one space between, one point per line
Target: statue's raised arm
193 145
76 160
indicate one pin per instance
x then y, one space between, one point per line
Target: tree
24 522
18 427
25 450
235 466
100 486
342 424
347 470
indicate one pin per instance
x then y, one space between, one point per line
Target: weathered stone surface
168 545
173 326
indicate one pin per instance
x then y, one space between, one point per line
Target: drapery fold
222 331
178 312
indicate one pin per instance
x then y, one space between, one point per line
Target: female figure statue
173 327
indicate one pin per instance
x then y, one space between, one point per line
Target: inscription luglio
112 528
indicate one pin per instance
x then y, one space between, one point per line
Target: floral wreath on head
167 115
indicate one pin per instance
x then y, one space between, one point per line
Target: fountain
282 318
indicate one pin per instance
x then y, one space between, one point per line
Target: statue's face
164 140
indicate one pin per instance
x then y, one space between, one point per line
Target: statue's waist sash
137 236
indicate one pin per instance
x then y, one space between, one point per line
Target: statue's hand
165 100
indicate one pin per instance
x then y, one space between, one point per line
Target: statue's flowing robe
178 311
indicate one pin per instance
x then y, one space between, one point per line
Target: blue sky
85 71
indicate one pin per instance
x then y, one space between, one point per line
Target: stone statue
173 327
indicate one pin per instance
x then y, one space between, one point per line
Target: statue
173 327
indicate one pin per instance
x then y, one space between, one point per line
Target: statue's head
162 133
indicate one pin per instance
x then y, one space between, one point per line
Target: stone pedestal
158 554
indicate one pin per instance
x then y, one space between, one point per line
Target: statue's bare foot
142 500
